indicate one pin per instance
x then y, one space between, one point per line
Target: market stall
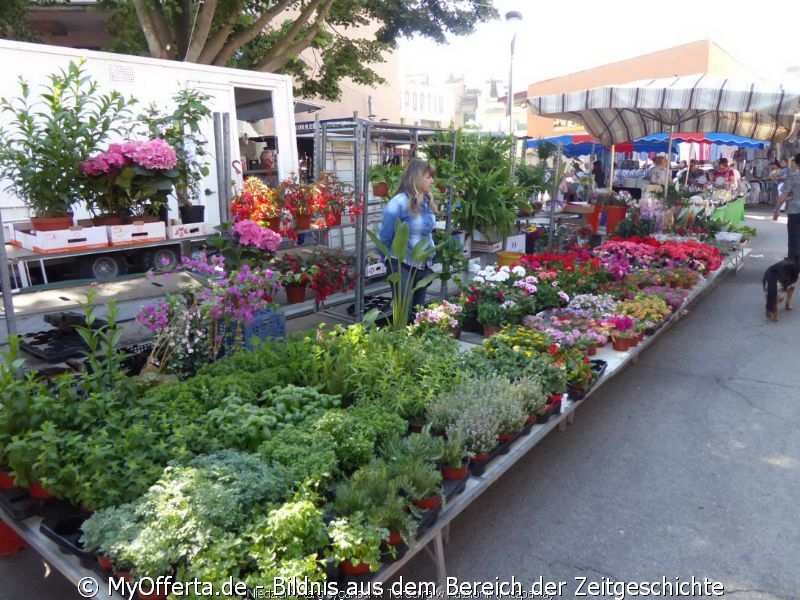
731 212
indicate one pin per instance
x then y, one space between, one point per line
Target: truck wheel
159 258
102 266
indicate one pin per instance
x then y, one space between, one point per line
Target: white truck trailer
238 99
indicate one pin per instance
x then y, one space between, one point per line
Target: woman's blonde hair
414 171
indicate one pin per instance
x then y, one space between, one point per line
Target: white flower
519 271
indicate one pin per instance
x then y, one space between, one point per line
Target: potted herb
454 458
48 137
356 543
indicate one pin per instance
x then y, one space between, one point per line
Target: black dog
780 280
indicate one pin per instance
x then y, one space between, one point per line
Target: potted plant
385 179
356 543
132 179
301 199
419 480
295 275
490 197
454 458
258 202
443 317
49 136
336 198
182 129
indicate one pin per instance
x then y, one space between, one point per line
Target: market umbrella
692 103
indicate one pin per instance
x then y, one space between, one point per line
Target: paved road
687 464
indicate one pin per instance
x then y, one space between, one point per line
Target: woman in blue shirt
414 206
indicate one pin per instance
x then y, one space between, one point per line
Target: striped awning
694 103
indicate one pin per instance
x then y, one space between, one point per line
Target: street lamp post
512 16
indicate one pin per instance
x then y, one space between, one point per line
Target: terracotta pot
302 222
591 350
620 344
103 220
10 541
6 480
614 214
295 293
381 189
335 219
428 503
36 490
490 330
51 223
348 568
593 219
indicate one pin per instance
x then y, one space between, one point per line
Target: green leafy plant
402 295
354 538
490 197
389 174
182 129
48 136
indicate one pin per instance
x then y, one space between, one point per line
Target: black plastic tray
18 503
66 533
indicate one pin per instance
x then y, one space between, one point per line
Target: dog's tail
770 283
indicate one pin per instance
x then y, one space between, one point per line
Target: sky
556 38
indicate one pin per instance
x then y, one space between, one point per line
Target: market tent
693 103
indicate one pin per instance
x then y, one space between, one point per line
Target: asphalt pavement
686 465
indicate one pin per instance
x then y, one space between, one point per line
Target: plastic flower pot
348 568
429 502
455 473
295 293
10 541
302 222
6 480
37 490
614 214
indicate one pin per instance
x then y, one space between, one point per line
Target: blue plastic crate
266 324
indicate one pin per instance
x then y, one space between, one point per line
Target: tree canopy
270 35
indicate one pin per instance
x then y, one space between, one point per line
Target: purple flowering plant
133 178
193 328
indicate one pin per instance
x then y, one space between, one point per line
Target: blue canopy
582 144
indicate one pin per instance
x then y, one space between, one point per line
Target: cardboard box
486 246
515 243
137 233
375 269
61 240
177 232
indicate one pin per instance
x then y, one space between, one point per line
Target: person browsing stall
723 176
657 174
414 206
791 195
599 174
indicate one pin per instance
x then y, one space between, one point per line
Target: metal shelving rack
364 140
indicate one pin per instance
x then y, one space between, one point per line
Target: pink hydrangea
252 234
